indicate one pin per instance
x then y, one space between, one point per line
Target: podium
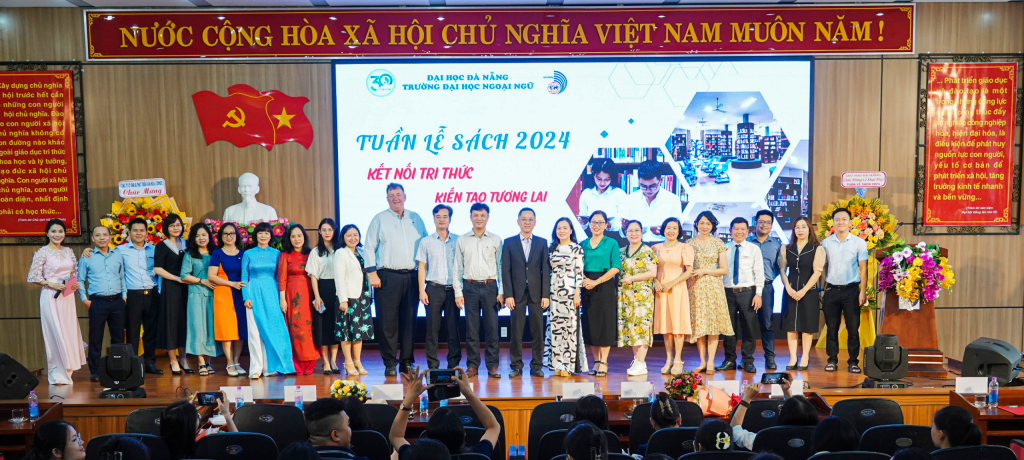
915 330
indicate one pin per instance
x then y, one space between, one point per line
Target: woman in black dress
805 259
173 301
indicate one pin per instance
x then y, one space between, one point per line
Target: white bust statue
249 209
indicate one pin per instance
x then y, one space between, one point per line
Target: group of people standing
296 306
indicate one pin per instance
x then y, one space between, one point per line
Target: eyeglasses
230 234
764 222
649 187
595 222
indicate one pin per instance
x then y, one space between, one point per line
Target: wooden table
16 437
998 426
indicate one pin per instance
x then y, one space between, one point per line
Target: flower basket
247 233
152 209
915 273
870 221
345 388
683 384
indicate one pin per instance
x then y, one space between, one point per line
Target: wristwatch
402 407
744 404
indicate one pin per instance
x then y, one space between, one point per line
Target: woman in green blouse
601 263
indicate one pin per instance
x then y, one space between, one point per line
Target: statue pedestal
916 331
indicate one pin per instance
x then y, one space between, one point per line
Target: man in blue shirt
103 272
436 258
770 247
137 257
845 284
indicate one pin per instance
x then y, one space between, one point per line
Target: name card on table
730 387
308 393
972 385
229 392
635 390
389 391
797 388
577 390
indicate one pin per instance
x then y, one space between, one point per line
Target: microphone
58 293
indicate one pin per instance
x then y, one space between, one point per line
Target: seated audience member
444 424
586 442
834 434
767 456
912 453
713 435
328 428
358 418
953 426
592 409
426 449
181 424
56 439
796 411
123 448
664 414
299 451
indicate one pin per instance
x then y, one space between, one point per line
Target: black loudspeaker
15 380
121 369
987 357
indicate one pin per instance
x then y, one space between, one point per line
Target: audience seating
851 455
381 418
548 417
865 413
726 455
145 420
470 456
789 442
611 456
762 413
236 446
1017 446
469 419
370 444
154 444
284 423
888 439
975 453
552 444
674 442
640 429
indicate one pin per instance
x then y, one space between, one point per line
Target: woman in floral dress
636 297
563 351
297 298
354 324
709 312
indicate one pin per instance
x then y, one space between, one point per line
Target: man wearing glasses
770 247
653 204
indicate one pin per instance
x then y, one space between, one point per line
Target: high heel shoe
359 367
667 370
675 365
701 369
350 369
230 370
175 372
185 368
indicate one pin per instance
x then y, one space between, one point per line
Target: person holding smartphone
444 424
795 411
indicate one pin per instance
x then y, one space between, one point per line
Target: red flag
286 113
240 119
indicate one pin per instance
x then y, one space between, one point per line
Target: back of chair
851 455
284 423
370 444
975 453
145 420
470 456
789 442
470 419
762 413
725 455
640 429
690 414
869 412
545 418
381 418
614 444
1017 446
154 444
551 445
674 442
236 446
619 456
888 439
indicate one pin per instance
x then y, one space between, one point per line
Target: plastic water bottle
424 405
239 398
993 393
653 395
33 406
298 399
598 391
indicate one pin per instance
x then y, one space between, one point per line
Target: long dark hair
586 442
812 239
958 425
445 426
554 234
220 235
49 436
798 411
321 248
178 424
358 417
834 434
193 247
665 411
123 448
714 435
592 409
168 221
52 222
289 247
340 237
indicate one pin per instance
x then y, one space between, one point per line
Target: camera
441 376
774 377
443 385
208 398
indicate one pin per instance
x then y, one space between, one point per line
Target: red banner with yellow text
497 32
969 150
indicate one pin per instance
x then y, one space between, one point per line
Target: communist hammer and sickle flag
247 116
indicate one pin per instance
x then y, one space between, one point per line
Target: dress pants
396 303
537 329
442 301
257 351
481 298
764 321
104 312
744 319
842 302
141 314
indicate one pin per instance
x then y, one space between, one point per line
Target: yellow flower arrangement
152 209
870 221
345 388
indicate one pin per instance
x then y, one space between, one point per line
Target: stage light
885 362
121 373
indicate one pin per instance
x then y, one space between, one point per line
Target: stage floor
169 387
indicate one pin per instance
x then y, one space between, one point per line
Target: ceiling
343 3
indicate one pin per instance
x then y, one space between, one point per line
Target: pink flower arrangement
915 272
683 384
247 233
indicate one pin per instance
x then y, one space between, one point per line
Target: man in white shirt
743 285
477 287
653 204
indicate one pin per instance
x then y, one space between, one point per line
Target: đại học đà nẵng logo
558 83
380 82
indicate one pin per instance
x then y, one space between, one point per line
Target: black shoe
537 373
801 368
749 368
790 368
770 365
830 367
726 366
390 372
515 373
94 378
853 369
328 371
152 369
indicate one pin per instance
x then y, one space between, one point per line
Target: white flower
922 245
897 257
907 252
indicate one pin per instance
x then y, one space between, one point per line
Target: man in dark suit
525 273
